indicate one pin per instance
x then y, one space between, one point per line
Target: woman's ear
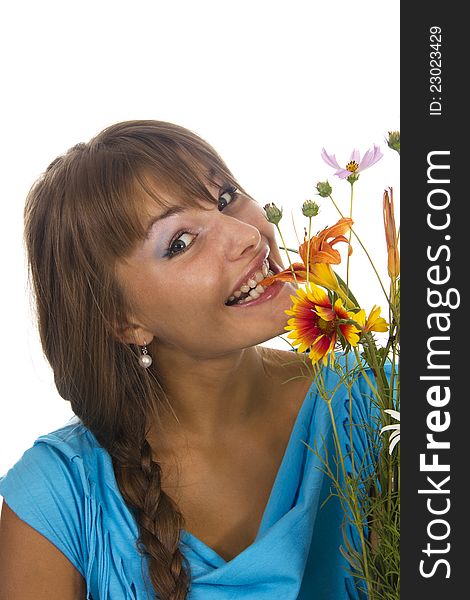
133 333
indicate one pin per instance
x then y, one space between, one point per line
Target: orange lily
319 254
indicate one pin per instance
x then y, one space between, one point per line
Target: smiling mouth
251 289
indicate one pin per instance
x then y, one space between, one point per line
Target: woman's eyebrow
177 208
172 210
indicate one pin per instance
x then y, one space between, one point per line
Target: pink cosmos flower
355 164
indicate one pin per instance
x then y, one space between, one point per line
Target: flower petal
393 413
395 427
339 228
375 322
377 153
330 159
327 256
320 243
370 158
360 317
331 351
317 295
286 275
343 173
355 156
322 274
366 160
350 333
319 348
340 310
379 326
393 444
374 313
326 313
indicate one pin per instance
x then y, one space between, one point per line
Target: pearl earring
145 360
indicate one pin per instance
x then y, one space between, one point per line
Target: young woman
186 471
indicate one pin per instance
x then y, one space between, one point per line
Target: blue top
64 487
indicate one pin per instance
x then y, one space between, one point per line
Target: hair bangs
167 163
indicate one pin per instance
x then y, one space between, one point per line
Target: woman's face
180 277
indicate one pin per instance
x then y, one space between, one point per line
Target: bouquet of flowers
326 316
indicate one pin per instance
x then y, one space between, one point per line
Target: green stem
384 394
351 444
366 377
378 370
351 197
364 248
308 246
350 294
287 254
355 508
288 249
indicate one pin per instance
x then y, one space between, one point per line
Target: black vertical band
435 238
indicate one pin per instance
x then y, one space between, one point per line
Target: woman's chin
284 300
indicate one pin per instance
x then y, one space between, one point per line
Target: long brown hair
81 216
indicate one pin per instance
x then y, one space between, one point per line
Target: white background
267 83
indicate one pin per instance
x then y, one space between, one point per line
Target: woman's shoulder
72 439
49 486
64 459
335 384
73 444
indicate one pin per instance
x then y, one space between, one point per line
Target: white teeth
252 285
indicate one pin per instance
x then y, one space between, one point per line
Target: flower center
327 327
352 166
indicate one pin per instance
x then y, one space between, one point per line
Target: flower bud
393 140
391 235
324 189
310 208
353 178
273 213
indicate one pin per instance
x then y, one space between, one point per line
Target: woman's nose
241 239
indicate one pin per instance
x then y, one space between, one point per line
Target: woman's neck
210 397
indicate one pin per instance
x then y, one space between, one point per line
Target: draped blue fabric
64 487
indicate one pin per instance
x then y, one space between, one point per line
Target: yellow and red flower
320 255
316 323
374 321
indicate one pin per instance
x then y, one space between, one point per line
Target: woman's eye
227 196
180 243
